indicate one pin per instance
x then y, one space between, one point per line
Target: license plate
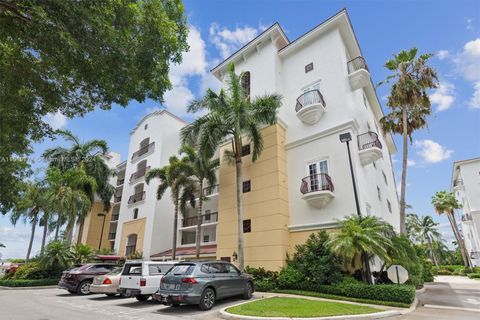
172 286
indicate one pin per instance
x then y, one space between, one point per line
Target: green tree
445 203
203 169
362 235
409 103
82 253
176 177
424 231
71 57
29 208
232 116
90 157
57 256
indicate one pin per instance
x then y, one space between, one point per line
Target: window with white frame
317 171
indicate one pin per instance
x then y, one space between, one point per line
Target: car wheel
142 297
175 305
72 291
84 287
207 299
111 294
247 295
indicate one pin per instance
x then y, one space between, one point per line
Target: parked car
203 283
141 279
107 283
78 280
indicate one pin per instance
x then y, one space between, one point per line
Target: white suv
142 278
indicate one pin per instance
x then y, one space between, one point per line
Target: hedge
27 283
474 275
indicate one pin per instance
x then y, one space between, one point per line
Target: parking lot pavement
53 304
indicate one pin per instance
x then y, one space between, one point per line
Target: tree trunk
240 256
403 229
44 236
80 231
32 235
433 253
458 236
68 230
199 222
57 227
175 226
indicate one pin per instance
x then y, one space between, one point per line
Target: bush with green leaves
31 270
56 256
265 280
290 278
406 254
474 275
82 253
28 282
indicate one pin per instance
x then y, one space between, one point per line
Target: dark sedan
78 280
203 283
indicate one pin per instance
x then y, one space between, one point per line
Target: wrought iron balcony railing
139 173
309 98
458 182
466 217
316 182
117 199
368 140
120 182
114 217
139 196
143 150
475 255
356 64
206 218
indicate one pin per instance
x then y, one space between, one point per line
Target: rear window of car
115 271
156 269
132 269
182 269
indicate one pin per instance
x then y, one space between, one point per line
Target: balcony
206 218
310 107
114 218
358 73
208 191
117 199
137 197
466 217
140 173
369 147
317 190
120 182
458 184
142 151
111 236
475 255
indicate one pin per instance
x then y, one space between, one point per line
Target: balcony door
310 92
316 171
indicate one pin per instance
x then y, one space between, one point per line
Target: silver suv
202 283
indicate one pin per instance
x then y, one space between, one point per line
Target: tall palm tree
424 230
368 235
29 208
445 203
203 169
176 177
88 156
46 221
232 116
67 191
409 104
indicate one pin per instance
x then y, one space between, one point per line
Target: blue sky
449 29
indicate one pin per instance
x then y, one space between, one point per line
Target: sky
448 29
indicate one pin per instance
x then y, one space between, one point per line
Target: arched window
131 244
145 142
245 83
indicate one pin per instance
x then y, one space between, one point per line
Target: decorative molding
313 226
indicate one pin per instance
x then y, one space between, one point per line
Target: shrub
427 271
289 278
264 285
31 270
27 283
444 272
474 275
261 273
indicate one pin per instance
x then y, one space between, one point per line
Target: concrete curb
28 288
377 315
421 290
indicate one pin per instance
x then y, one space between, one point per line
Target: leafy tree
81 253
70 57
33 202
90 157
445 203
203 169
176 177
362 235
232 116
57 256
424 231
409 103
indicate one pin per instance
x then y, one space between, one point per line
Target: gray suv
202 283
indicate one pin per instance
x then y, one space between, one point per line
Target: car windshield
116 271
181 269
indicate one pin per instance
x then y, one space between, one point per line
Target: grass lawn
298 307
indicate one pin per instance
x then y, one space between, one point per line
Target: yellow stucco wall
92 227
266 205
136 226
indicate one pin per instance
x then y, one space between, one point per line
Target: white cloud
431 151
474 101
56 120
228 41
468 61
442 54
443 96
411 163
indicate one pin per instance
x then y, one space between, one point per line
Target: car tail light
107 281
143 282
189 280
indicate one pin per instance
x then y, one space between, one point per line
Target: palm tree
445 202
368 235
29 208
409 104
67 192
203 170
56 255
232 116
424 229
176 176
90 157
82 253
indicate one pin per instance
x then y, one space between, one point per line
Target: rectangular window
317 171
247 226
385 177
135 213
389 205
245 150
246 186
206 238
379 194
309 67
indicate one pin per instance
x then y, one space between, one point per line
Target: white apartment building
466 186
